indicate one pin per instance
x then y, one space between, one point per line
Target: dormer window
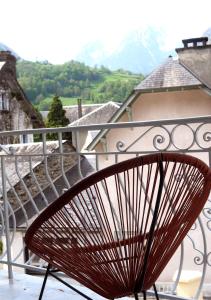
4 100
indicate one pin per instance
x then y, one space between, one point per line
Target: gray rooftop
71 112
23 162
168 75
100 115
19 171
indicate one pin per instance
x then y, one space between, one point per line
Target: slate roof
100 115
18 174
72 111
23 162
168 75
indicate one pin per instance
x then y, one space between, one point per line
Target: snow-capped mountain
139 51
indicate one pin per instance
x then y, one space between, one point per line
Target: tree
41 80
56 117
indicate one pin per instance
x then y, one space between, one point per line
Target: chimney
79 108
195 42
10 66
196 57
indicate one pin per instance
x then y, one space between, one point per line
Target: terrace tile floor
27 287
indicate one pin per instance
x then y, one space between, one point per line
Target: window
4 100
25 138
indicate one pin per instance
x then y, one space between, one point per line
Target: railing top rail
181 121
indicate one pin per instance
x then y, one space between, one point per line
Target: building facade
179 89
16 111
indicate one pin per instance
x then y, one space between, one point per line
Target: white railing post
6 218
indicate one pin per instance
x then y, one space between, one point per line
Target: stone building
16 111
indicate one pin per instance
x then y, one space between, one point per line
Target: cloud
58 29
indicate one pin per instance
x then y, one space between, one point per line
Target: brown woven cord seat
116 230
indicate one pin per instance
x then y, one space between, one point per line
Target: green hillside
73 80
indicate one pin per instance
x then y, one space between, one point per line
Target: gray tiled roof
20 150
98 116
71 112
168 75
18 171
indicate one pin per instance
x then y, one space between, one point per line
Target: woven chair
116 230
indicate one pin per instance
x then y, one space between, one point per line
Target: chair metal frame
161 160
51 272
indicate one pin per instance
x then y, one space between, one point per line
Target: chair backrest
116 230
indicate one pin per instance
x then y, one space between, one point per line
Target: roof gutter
170 89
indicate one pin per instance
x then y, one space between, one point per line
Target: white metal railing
33 175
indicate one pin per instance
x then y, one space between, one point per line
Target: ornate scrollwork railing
183 136
25 193
168 137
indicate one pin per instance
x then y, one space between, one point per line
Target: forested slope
72 80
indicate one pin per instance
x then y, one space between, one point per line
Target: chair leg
70 286
156 293
136 296
44 282
145 295
51 272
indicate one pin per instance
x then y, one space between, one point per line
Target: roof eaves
28 106
113 119
130 100
92 113
169 89
206 90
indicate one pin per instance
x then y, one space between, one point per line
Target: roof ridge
93 112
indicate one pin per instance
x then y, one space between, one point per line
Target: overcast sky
57 30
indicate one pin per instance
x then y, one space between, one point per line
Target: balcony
26 287
35 174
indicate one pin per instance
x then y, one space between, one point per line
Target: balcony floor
27 287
